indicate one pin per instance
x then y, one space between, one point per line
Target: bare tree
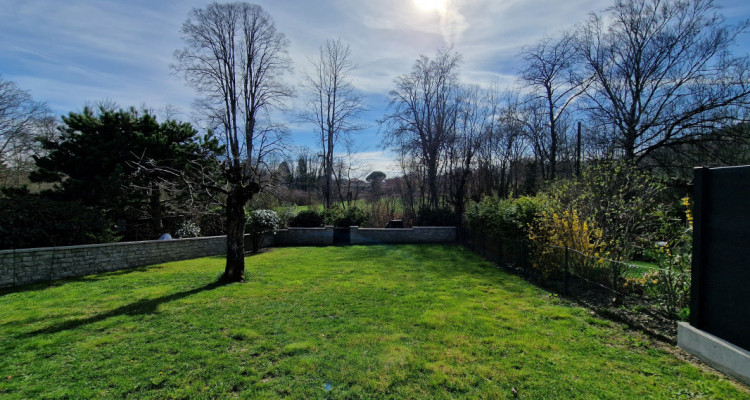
423 110
548 71
662 73
22 121
473 127
411 185
235 58
502 144
333 104
346 174
527 116
514 141
307 174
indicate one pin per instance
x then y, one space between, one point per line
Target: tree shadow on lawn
140 307
46 284
97 276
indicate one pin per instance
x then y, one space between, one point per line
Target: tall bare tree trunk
432 182
332 104
553 145
329 169
235 268
155 205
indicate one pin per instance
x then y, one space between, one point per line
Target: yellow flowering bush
555 230
621 199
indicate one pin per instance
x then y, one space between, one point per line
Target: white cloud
452 22
77 51
369 161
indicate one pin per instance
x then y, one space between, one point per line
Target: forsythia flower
688 213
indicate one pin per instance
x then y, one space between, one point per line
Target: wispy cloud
73 52
452 23
369 161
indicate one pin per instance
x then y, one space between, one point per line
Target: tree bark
553 145
329 170
432 182
155 205
235 268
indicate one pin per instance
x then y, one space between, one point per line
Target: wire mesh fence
646 296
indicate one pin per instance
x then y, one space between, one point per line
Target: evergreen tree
118 161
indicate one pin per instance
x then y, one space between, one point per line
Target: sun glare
431 5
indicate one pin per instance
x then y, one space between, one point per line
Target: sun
431 5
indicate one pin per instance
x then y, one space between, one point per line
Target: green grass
337 322
636 269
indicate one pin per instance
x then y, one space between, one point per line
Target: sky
74 53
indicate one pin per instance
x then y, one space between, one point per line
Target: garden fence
601 282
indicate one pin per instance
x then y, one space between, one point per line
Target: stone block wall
417 234
51 263
304 237
18 267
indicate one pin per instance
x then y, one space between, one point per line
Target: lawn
636 269
335 322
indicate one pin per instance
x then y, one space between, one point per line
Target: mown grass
636 269
336 322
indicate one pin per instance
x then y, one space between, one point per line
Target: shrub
351 216
286 212
509 218
306 219
28 220
670 283
623 201
556 229
188 229
384 210
484 216
439 217
212 224
261 223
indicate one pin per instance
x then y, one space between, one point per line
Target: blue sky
76 52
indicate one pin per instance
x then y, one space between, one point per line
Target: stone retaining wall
18 267
418 234
51 263
304 237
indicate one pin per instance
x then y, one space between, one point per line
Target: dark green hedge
34 221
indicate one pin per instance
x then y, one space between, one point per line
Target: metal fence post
15 279
614 274
565 278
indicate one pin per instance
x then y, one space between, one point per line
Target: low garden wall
358 236
301 237
418 234
23 266
51 263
